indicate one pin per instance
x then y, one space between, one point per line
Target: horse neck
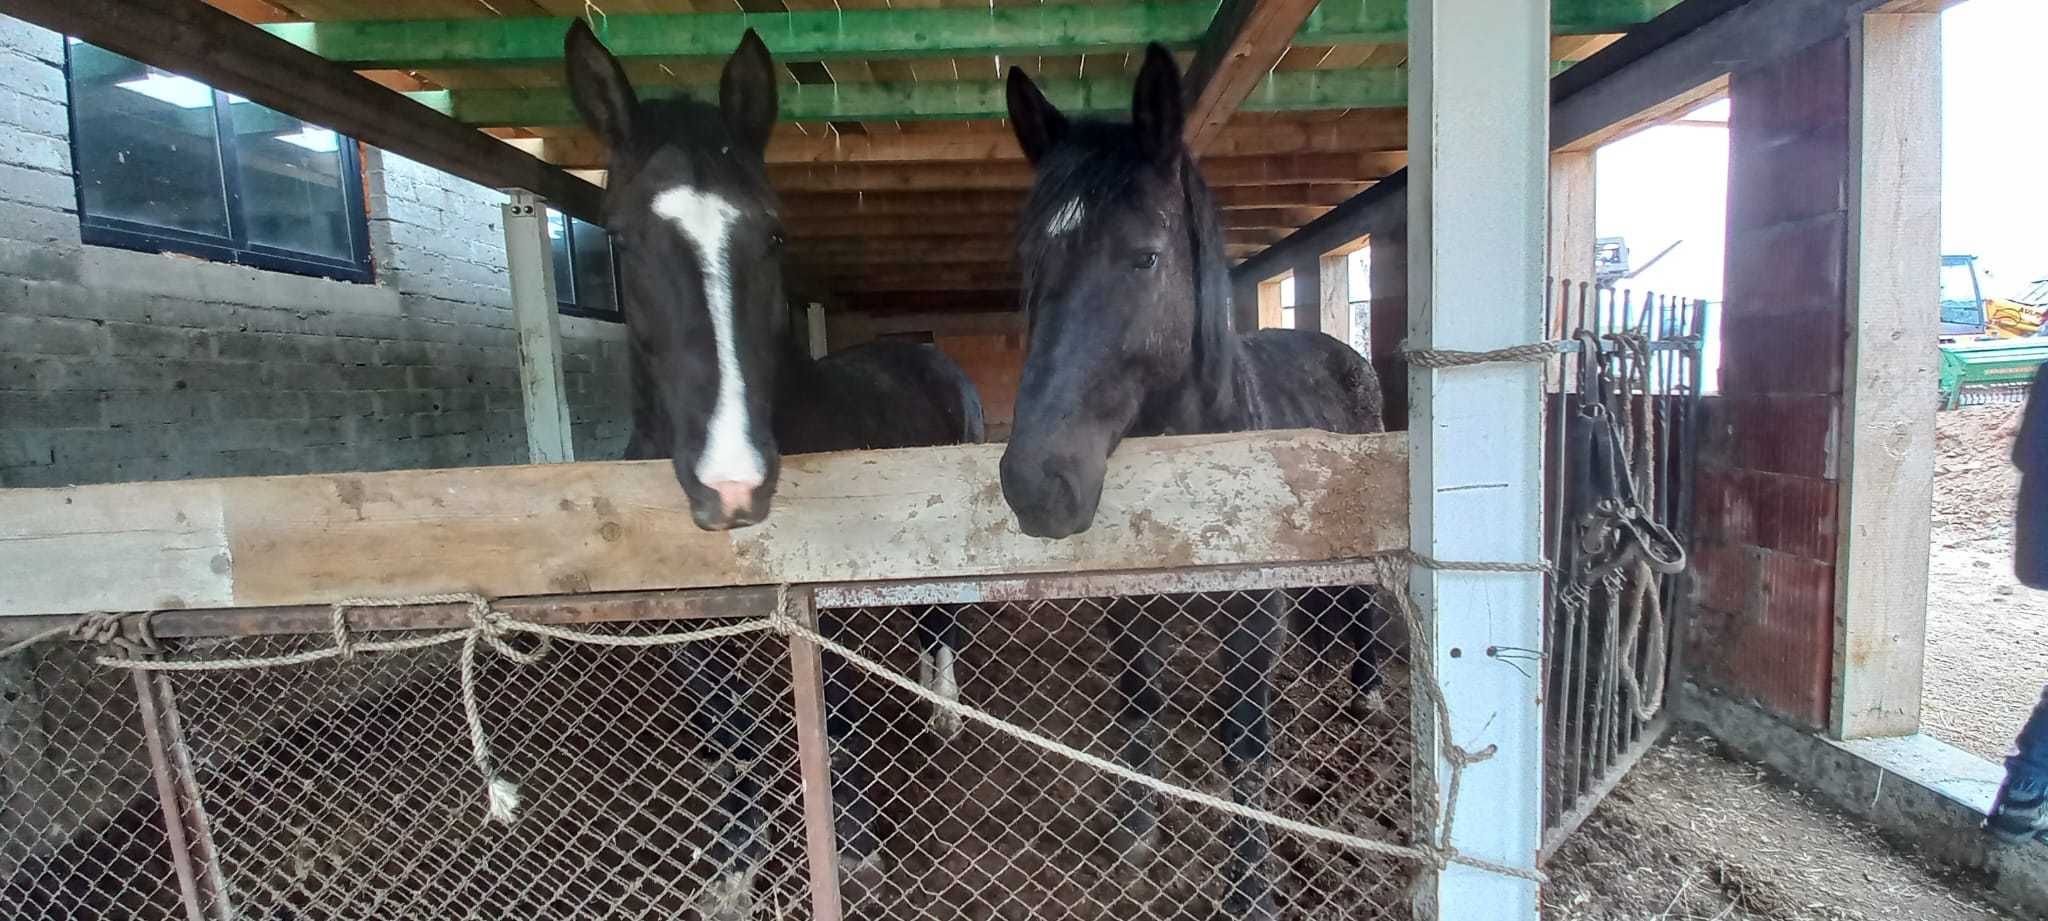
1181 409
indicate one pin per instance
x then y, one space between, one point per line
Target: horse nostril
735 497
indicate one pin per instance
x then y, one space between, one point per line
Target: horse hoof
860 871
728 897
1367 704
1135 846
947 724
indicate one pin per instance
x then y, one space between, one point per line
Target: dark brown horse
720 388
1128 293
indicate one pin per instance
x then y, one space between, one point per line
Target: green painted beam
879 34
1282 91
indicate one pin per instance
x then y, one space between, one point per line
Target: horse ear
746 92
1157 111
598 86
1038 124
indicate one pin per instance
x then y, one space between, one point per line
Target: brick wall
1763 628
118 365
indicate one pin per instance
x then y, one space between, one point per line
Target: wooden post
1308 296
1479 142
1888 432
1269 303
531 265
814 329
1573 231
814 759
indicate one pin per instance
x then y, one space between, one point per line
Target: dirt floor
1693 836
1986 662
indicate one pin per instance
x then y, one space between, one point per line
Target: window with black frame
165 163
586 280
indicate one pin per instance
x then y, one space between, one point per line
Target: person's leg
2022 805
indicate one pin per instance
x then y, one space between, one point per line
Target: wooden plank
1888 441
1242 44
531 269
1293 169
1475 267
1335 288
1365 130
904 32
1573 232
192 38
625 526
921 100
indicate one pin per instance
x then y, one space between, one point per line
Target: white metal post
531 265
1478 177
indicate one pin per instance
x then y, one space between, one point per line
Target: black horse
719 385
1128 292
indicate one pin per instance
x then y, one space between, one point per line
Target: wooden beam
1242 44
857 101
1016 174
555 529
1888 436
1361 131
935 276
199 41
1695 44
814 35
530 266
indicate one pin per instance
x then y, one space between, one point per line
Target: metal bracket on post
530 262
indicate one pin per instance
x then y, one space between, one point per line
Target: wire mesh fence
668 781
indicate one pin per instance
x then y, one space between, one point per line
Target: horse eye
1146 261
775 241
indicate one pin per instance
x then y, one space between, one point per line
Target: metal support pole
814 327
183 831
530 261
814 759
1478 179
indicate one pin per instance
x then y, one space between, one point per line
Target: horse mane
1099 162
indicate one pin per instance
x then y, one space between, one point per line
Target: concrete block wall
118 365
1762 627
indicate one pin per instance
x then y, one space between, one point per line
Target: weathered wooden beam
856 101
1365 130
199 41
858 226
992 242
813 35
625 526
799 205
1016 174
1242 44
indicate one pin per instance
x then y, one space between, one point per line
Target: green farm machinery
1990 348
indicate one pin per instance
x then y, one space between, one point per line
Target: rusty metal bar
1056 586
198 830
167 794
1582 803
814 760
589 608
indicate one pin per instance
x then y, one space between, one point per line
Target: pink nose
736 496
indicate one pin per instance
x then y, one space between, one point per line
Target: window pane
146 146
558 242
594 288
291 175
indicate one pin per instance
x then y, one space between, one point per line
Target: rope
1428 562
1454 358
1644 603
99 628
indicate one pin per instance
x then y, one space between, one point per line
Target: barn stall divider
296 722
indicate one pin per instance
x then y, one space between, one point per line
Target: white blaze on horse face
706 220
1068 218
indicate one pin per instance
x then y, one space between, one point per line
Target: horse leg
736 851
1363 610
860 853
1137 651
1247 737
939 639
